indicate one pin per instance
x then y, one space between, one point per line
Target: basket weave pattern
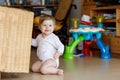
15 35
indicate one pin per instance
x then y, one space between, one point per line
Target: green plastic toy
69 52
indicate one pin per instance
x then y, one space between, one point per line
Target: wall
76 13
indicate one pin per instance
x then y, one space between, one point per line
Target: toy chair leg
68 53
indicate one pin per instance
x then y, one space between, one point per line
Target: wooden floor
88 68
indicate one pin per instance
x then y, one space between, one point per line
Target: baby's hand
57 55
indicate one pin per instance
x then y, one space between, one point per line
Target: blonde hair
46 17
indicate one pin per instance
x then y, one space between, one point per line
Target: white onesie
47 47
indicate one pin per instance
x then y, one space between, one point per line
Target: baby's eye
50 25
44 25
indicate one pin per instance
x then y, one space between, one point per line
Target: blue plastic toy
87 32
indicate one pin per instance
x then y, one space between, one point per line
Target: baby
49 47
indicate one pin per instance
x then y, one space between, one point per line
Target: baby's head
47 24
46 17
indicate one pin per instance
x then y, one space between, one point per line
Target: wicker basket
15 39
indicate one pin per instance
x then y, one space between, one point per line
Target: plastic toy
86 48
70 49
75 23
88 33
99 20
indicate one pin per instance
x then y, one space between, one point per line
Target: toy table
86 34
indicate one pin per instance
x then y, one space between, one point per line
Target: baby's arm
34 43
57 55
60 49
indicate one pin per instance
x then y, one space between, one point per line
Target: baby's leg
49 67
36 66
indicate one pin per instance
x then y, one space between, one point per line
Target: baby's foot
60 72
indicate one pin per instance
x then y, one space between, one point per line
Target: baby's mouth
46 30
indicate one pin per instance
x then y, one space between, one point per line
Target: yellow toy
75 23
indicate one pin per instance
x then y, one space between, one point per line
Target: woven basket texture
15 39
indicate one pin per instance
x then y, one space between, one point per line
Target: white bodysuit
47 47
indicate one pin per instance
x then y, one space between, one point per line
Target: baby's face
47 27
